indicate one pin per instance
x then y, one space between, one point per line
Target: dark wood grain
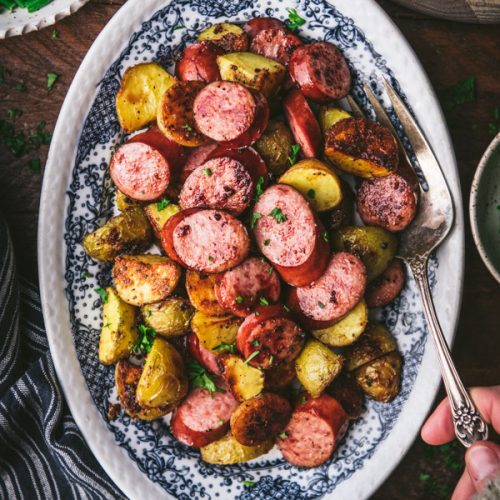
449 52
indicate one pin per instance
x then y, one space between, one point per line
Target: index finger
438 429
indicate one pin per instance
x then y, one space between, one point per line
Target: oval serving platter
142 457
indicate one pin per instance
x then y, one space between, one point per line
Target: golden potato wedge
375 246
123 202
330 115
244 380
362 147
175 114
347 330
164 379
317 182
275 146
128 232
229 37
380 379
144 279
140 92
119 329
170 317
158 214
213 330
317 366
127 376
252 70
200 288
227 450
375 341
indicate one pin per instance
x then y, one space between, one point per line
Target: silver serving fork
429 228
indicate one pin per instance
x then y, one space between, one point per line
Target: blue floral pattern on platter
175 467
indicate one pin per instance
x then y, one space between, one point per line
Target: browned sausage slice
303 124
205 240
202 417
206 358
333 295
321 71
313 432
260 418
140 171
222 183
199 62
290 235
387 286
197 156
240 289
276 44
388 202
258 24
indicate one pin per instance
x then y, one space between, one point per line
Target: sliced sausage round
321 71
206 358
290 235
260 418
197 156
222 183
199 62
277 44
303 124
202 418
278 377
205 240
334 294
387 286
388 202
240 289
254 26
313 432
271 333
140 171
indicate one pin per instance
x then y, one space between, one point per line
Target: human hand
482 459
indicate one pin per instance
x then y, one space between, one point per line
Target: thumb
482 460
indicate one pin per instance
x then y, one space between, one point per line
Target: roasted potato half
375 341
330 115
362 148
229 37
317 366
227 450
119 329
275 146
244 380
140 92
123 201
343 214
347 330
380 379
317 182
128 232
375 246
213 330
252 70
163 380
170 317
200 288
158 215
144 279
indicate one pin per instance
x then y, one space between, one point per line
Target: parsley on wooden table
464 91
51 80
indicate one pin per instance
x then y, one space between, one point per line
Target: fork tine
356 110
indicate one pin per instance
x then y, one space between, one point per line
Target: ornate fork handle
468 423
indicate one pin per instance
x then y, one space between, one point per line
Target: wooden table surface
449 52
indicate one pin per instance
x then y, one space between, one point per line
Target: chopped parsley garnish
35 164
145 340
464 91
239 299
278 215
311 194
294 154
224 346
210 258
303 400
86 275
103 294
258 188
21 86
149 313
325 236
13 113
39 136
286 309
199 377
253 355
263 301
257 313
207 171
271 360
255 218
178 27
187 127
294 20
283 435
107 325
424 477
162 204
270 270
266 242
54 34
51 80
248 484
256 343
321 305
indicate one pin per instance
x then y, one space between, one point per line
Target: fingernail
482 462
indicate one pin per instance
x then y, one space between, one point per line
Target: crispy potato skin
140 92
163 380
380 379
229 37
143 279
259 418
119 330
244 380
275 146
157 217
317 366
227 450
169 318
128 232
375 246
213 330
123 202
201 291
348 393
330 115
362 147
